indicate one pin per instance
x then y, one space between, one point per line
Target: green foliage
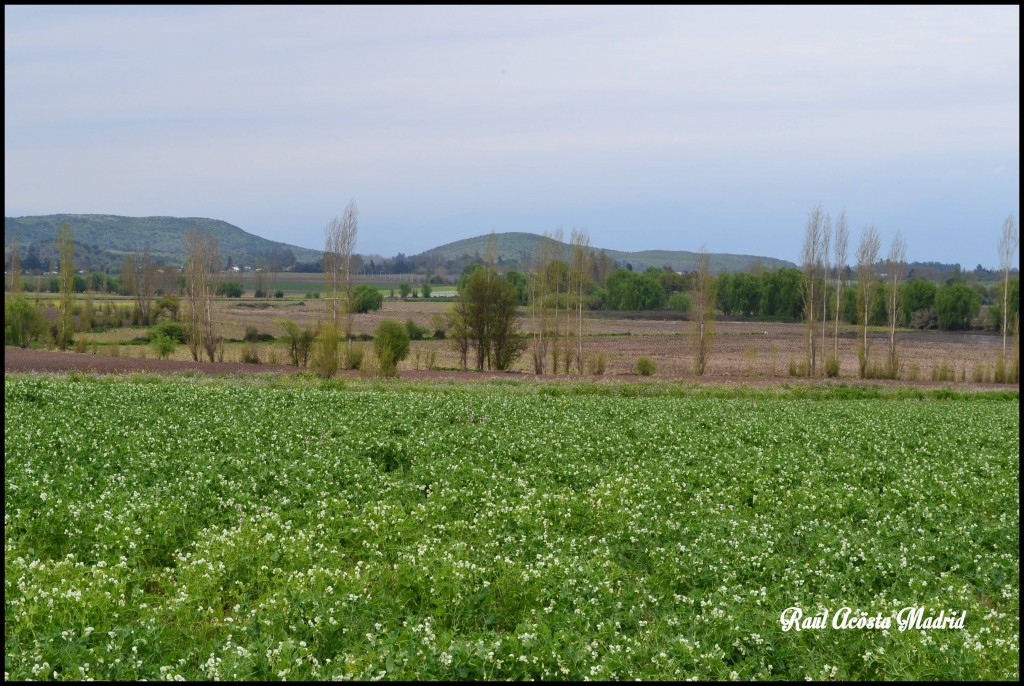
781 294
354 355
427 290
391 345
366 299
23 323
405 289
917 294
680 302
631 291
299 342
173 330
230 289
832 366
956 305
645 366
325 355
485 319
384 507
162 345
414 331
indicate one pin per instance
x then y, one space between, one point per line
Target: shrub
415 332
162 345
645 366
299 341
438 325
391 345
366 299
832 366
595 364
23 324
404 289
426 290
278 293
173 330
81 344
354 354
679 301
229 289
250 355
325 358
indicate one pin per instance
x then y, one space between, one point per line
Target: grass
378 529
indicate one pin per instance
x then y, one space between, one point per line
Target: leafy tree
229 289
23 324
485 319
918 294
366 299
391 345
404 289
955 305
66 248
628 290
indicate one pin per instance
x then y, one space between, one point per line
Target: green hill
107 238
518 247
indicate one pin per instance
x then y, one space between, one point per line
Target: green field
287 528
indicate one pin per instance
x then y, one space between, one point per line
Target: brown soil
23 360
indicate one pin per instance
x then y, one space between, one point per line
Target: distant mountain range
103 240
516 247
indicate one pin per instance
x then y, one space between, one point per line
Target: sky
663 128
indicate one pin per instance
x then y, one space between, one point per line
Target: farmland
281 527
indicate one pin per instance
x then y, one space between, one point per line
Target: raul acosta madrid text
846 618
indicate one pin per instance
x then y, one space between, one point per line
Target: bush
23 324
173 330
299 341
366 299
404 289
438 325
679 301
595 364
354 354
278 293
325 359
645 366
832 366
415 332
391 345
250 355
162 345
426 290
229 289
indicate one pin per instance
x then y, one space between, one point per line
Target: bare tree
275 267
826 245
202 264
810 259
128 276
541 305
66 251
16 283
339 244
144 284
842 238
867 255
580 270
702 304
1009 241
896 269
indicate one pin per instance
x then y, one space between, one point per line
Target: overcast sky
659 127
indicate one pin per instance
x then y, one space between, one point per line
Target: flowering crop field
203 529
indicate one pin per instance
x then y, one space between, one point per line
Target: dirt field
742 351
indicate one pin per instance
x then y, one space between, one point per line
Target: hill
105 239
518 247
